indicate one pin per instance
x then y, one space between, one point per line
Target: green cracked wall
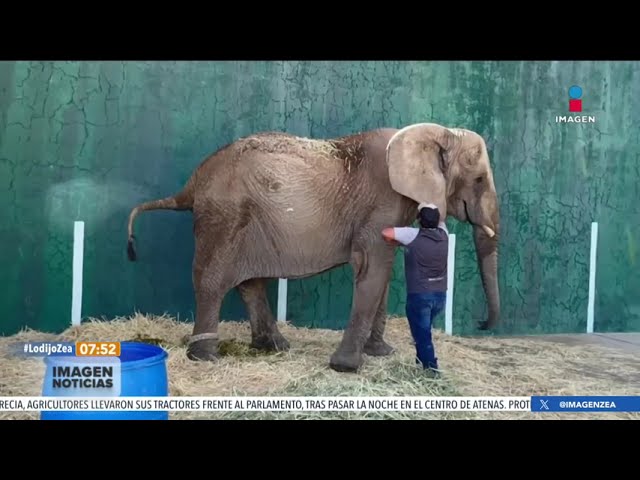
88 140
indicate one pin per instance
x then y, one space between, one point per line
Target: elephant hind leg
264 329
376 346
213 277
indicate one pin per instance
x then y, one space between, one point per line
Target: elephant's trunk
487 254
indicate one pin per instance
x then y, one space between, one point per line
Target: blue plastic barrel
144 374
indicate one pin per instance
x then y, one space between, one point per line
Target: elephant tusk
489 231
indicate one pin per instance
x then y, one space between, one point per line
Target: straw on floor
486 366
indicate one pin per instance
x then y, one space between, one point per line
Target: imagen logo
575 103
575 106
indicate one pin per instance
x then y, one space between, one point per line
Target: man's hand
389 237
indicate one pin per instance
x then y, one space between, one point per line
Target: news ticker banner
325 404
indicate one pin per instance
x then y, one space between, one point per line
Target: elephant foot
346 361
203 350
378 348
485 325
274 342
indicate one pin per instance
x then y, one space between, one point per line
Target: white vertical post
78 258
451 266
282 300
592 277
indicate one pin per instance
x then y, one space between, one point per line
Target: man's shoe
432 373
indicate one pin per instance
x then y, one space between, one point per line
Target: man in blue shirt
425 255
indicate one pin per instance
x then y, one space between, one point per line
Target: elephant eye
479 180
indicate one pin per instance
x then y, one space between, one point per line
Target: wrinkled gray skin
272 205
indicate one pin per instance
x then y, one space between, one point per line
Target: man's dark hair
429 217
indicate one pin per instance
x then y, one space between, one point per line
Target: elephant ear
417 164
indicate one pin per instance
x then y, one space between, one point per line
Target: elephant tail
181 201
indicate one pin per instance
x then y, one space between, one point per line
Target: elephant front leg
371 274
264 329
376 346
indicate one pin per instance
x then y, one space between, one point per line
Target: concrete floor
627 345
625 342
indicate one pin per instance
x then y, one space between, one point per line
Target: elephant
277 205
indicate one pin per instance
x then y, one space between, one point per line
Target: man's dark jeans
422 309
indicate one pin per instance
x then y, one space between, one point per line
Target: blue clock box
143 370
